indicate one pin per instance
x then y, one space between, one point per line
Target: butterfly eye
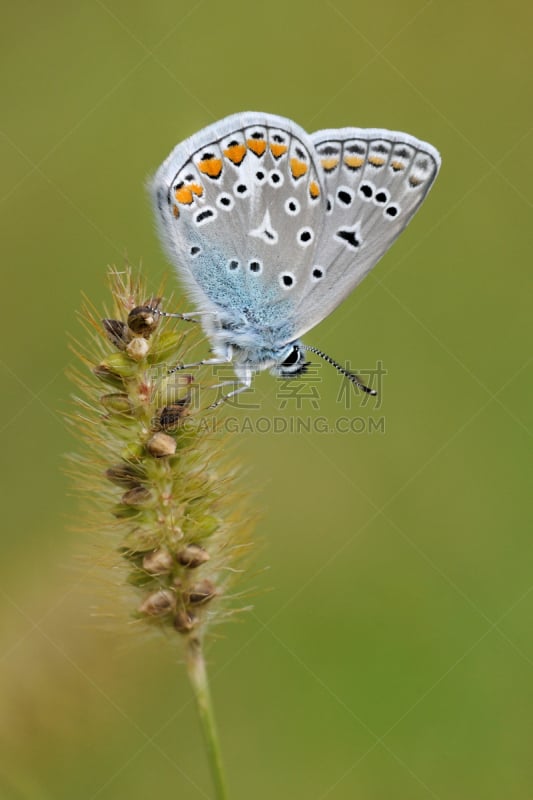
294 363
292 358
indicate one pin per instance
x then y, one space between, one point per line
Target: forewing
241 209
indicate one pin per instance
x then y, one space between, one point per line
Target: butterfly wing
375 181
240 207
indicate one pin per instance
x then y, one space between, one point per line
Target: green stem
198 678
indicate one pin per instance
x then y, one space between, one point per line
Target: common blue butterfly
271 228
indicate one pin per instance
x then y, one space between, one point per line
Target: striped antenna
347 374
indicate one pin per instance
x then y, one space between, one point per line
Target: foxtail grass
156 487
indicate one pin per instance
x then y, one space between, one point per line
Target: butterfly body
249 342
271 228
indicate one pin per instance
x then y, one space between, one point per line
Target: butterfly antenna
347 374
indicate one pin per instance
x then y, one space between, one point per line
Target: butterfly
271 228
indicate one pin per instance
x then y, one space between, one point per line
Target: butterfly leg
243 384
189 316
206 362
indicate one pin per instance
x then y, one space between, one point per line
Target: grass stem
197 671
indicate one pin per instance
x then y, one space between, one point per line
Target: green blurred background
389 652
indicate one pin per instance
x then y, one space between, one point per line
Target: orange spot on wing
196 189
397 165
184 195
329 164
376 161
354 162
298 168
314 189
211 167
235 153
414 181
257 146
278 150
175 211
